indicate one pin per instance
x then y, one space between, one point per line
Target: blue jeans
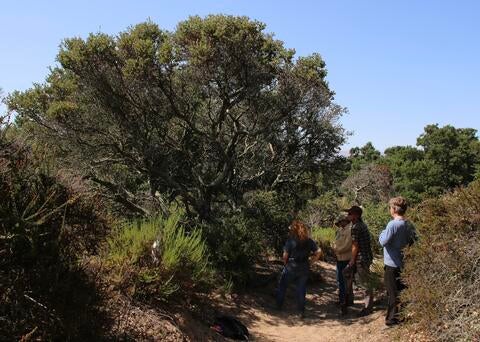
341 280
300 276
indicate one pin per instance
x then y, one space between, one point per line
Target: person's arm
354 232
354 253
285 257
286 251
386 235
316 252
316 255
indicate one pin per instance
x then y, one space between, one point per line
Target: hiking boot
364 312
343 310
392 322
300 314
349 299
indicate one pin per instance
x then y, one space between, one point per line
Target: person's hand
351 263
317 255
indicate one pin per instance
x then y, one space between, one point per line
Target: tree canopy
455 151
361 156
202 114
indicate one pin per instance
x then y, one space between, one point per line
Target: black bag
231 327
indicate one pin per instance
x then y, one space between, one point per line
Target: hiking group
354 257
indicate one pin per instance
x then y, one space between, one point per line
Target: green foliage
132 241
239 239
376 216
270 213
325 238
331 177
203 114
182 251
47 225
361 156
455 151
236 244
181 265
323 210
442 270
414 177
446 157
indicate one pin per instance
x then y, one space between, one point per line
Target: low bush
325 238
270 213
157 257
376 216
236 243
46 228
377 271
442 270
237 239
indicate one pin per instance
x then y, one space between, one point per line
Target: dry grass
443 268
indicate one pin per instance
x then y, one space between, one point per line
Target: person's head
298 230
354 213
342 221
398 205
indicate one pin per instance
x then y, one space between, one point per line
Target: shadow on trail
257 303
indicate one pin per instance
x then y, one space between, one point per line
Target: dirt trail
323 321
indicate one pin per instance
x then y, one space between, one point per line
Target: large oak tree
202 114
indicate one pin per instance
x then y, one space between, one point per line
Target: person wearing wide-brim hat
343 253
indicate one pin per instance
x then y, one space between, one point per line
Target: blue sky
396 65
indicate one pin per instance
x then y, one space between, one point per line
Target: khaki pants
364 279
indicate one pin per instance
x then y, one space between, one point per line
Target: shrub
323 210
46 227
325 238
377 272
133 241
236 243
376 216
442 269
270 214
178 262
239 238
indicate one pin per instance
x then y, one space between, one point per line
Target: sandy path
323 321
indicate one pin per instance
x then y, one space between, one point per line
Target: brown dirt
323 322
255 308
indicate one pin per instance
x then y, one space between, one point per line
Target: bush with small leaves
442 270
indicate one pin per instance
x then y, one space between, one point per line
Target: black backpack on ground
231 327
